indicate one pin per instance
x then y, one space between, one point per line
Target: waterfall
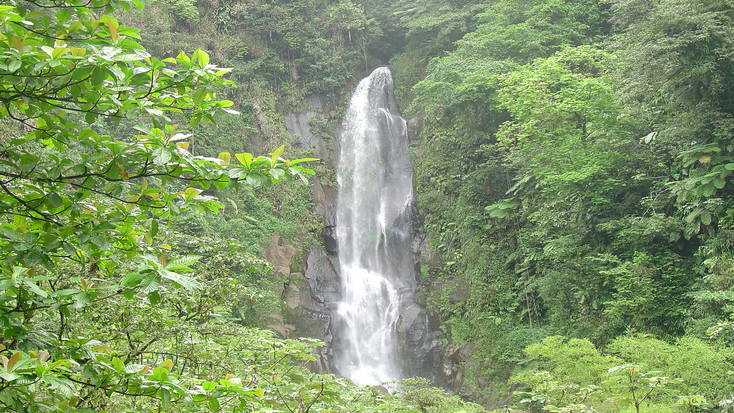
373 226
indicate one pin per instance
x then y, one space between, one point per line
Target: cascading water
373 224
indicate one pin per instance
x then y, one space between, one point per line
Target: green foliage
638 373
648 292
426 29
572 173
572 170
510 32
575 360
314 45
184 11
84 211
689 75
634 385
420 393
704 368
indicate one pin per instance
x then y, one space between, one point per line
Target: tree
634 384
688 78
82 210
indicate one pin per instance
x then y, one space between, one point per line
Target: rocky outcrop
322 276
279 255
453 367
309 293
306 313
298 124
324 198
422 342
278 324
309 317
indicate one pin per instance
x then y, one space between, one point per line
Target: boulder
280 256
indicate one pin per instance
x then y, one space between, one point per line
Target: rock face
306 298
279 255
325 204
322 276
298 123
309 318
453 367
312 293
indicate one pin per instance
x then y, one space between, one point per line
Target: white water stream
373 232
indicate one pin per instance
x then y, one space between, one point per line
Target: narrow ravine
374 234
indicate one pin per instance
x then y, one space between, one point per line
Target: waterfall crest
373 227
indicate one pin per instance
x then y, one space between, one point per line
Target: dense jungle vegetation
574 174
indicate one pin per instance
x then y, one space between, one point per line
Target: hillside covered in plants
168 180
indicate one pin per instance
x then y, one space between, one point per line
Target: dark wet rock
324 197
422 351
298 294
322 276
309 318
411 318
